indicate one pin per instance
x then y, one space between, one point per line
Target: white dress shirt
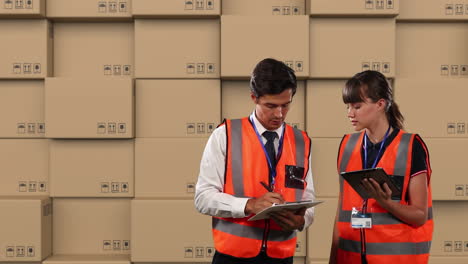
209 196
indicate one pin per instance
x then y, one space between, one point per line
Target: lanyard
380 149
280 149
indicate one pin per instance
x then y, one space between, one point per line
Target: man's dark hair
272 77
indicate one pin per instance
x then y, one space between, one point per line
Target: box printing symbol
296 10
188 5
276 10
209 5
102 7
448 246
200 4
19 4
8 4
107 245
20 251
189 252
112 7
390 4
10 251
449 9
123 7
30 251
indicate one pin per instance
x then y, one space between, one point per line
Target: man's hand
256 205
289 220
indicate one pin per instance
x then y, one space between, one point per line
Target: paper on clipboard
265 213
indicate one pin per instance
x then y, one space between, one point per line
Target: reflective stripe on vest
379 218
250 231
300 150
236 153
402 248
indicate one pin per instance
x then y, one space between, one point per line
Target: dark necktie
270 147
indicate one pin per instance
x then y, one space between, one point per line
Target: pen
266 186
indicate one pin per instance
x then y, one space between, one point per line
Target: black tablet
354 178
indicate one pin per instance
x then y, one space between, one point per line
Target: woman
397 229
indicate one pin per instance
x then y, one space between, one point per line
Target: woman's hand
381 195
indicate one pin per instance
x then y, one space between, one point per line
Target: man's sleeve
209 196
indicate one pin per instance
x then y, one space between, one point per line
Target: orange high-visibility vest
246 167
389 240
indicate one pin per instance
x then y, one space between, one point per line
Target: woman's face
364 114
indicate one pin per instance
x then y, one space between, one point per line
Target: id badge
359 219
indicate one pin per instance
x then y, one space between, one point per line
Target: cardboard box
177 48
324 167
448 260
198 115
448 157
171 8
342 47
319 234
264 7
22 8
26 229
89 9
87 259
26 48
433 10
450 235
301 245
197 245
326 113
236 102
91 226
448 122
93 49
162 170
381 8
432 50
246 40
92 168
21 180
22 109
89 108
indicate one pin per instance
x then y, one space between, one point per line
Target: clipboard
265 213
354 178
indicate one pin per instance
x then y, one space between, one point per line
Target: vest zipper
363 236
265 235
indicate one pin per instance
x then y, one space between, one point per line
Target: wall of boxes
106 105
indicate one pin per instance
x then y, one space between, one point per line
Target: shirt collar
262 129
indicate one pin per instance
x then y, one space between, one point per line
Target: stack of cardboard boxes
250 32
431 79
90 112
178 104
25 55
346 37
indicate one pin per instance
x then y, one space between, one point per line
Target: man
249 164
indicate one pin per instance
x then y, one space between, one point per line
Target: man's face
271 109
